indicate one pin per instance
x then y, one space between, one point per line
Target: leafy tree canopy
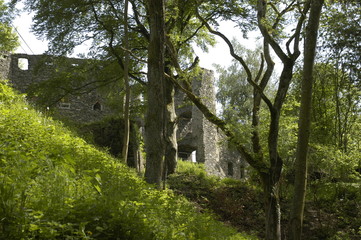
8 39
340 31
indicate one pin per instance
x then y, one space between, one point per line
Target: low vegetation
53 185
333 209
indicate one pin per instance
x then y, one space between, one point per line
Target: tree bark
171 146
272 207
296 219
155 120
127 88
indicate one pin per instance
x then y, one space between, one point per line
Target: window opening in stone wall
23 64
97 106
64 103
230 169
194 156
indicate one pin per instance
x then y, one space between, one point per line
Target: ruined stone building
198 139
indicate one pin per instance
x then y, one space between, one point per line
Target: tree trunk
296 219
271 182
127 88
171 146
155 120
272 207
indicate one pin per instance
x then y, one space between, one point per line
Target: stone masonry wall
25 70
196 133
205 132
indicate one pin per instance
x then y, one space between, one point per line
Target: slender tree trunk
155 120
296 219
171 146
127 88
338 121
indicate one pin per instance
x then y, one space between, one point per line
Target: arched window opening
194 156
97 106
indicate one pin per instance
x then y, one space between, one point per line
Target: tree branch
141 28
261 17
112 49
239 59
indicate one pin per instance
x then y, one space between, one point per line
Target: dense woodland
296 123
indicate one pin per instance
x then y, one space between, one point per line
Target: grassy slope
53 185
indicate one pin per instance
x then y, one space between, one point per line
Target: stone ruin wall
5 60
88 107
195 133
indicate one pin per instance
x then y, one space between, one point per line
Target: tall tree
126 86
155 119
296 218
334 118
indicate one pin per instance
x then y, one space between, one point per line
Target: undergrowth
235 202
53 185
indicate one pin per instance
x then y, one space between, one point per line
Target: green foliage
8 38
235 94
181 24
55 186
334 138
331 164
340 31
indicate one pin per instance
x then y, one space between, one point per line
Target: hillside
53 185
